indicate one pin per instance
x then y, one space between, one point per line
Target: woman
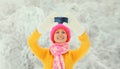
59 56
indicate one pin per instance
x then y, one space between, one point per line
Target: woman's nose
60 34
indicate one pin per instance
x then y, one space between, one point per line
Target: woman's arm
33 44
83 49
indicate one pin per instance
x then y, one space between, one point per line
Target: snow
18 19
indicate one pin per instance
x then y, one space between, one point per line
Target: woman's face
60 36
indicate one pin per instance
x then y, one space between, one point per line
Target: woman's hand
74 25
47 24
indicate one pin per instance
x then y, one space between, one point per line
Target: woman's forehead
60 29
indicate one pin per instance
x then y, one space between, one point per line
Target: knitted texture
57 49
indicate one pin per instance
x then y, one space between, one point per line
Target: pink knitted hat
60 26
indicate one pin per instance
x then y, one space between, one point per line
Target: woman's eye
57 32
63 32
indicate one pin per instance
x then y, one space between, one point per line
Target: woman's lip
60 38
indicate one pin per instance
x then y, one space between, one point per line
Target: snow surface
18 19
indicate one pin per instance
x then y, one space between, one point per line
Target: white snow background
18 19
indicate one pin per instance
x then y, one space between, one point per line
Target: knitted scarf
57 49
